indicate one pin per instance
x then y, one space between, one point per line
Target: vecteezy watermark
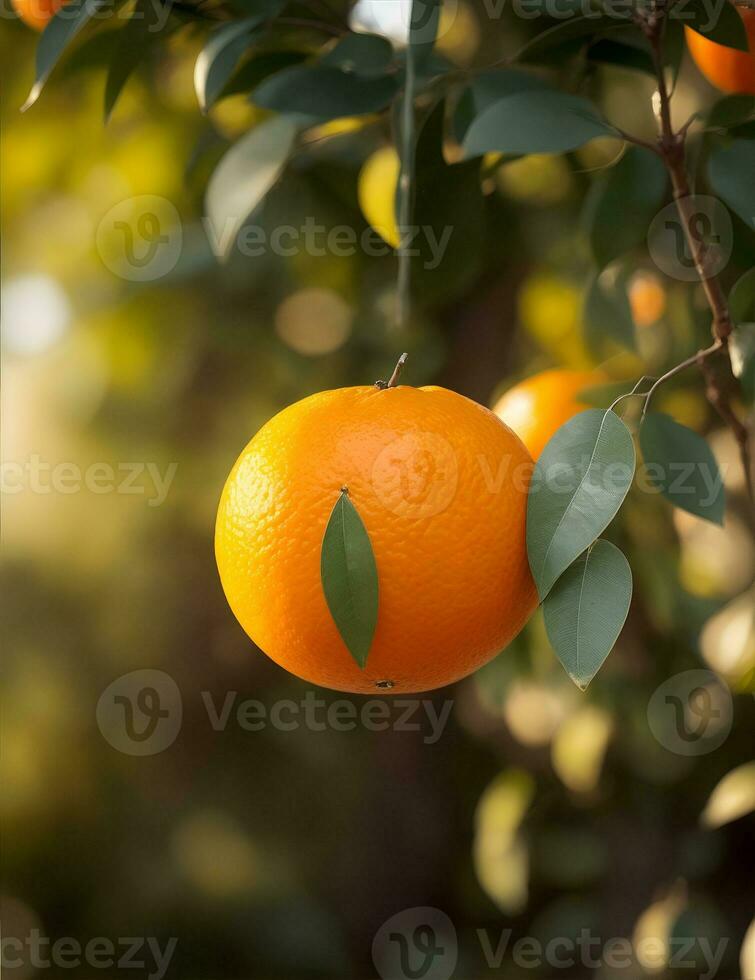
40 476
140 238
341 241
622 10
421 944
709 224
39 952
140 713
691 713
416 944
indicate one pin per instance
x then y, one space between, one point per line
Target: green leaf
423 30
730 169
742 351
622 54
58 34
317 93
680 463
489 87
134 42
349 578
579 483
607 312
244 176
570 29
218 59
261 66
724 26
586 609
742 298
367 55
730 111
535 122
623 202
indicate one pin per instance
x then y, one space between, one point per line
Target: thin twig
697 358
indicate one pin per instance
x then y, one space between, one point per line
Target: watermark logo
416 944
140 713
416 475
140 238
710 226
691 713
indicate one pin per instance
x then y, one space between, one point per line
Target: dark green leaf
730 111
730 169
60 31
218 59
489 87
724 25
607 313
134 43
612 52
244 176
572 28
579 483
535 122
742 298
363 54
742 350
680 463
623 202
259 67
316 93
349 578
586 609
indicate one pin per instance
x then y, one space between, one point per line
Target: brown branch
672 147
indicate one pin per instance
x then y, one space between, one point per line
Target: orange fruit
728 69
647 298
441 487
539 405
36 13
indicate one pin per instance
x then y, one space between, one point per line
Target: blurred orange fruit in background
36 13
728 69
647 298
441 487
539 405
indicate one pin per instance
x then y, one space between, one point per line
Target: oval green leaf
134 42
349 578
367 55
317 93
622 203
579 483
728 168
244 176
218 59
742 298
535 121
58 34
680 463
586 609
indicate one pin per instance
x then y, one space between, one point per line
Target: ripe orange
36 13
728 69
647 298
539 405
441 486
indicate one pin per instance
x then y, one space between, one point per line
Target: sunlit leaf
681 464
730 169
60 31
622 204
244 176
586 609
349 578
733 797
535 122
218 59
742 353
579 483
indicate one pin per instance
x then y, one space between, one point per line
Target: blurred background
280 854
